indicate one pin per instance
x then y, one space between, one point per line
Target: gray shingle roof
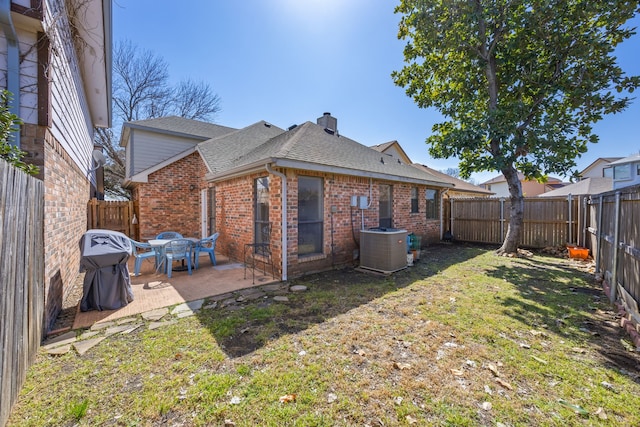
457 183
180 125
585 186
310 146
223 153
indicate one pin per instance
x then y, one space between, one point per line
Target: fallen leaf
493 369
401 366
398 400
537 359
486 406
331 397
524 345
411 420
601 414
628 346
504 384
578 350
577 409
235 400
608 386
457 372
288 398
229 423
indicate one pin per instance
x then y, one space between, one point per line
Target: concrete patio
153 290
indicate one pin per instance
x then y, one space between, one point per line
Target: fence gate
113 215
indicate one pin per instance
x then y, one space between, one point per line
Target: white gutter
283 233
13 63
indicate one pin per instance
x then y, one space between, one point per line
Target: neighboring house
584 187
600 168
459 188
57 63
626 172
530 188
309 187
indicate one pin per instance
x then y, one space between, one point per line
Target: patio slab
153 290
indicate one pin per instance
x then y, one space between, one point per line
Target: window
622 171
310 215
607 172
261 225
385 206
433 211
414 200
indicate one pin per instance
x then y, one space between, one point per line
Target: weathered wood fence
22 279
547 221
113 215
614 240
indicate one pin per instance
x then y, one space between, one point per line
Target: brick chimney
328 122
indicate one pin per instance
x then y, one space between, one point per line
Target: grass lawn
463 338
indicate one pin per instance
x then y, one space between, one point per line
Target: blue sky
289 61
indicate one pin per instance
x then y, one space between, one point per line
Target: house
600 168
626 172
309 187
530 188
56 61
459 188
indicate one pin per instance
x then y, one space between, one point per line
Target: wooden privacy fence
614 240
547 221
22 279
113 215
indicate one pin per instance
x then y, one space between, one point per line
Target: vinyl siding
152 148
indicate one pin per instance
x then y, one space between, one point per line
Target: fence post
569 200
599 234
616 238
451 217
584 221
502 218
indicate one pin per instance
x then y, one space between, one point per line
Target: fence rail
547 221
22 284
113 215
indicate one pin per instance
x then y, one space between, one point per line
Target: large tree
141 90
520 83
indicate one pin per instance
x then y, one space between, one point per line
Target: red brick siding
65 221
167 202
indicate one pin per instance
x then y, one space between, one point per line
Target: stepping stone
227 302
58 351
210 306
298 288
184 314
126 320
83 346
101 326
188 306
156 325
280 298
63 339
255 295
116 329
131 329
88 334
222 296
272 287
155 315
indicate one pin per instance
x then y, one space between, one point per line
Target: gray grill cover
104 256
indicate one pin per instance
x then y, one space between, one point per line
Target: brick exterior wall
65 215
170 201
166 203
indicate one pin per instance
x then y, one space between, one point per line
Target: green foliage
520 83
10 123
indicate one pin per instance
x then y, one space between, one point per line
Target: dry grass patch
462 338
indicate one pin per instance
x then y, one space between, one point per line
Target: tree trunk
516 212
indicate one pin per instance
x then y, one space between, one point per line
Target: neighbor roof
585 186
310 147
458 184
632 158
501 178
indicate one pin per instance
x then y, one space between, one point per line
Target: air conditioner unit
383 249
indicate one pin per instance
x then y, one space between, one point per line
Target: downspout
283 233
13 63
